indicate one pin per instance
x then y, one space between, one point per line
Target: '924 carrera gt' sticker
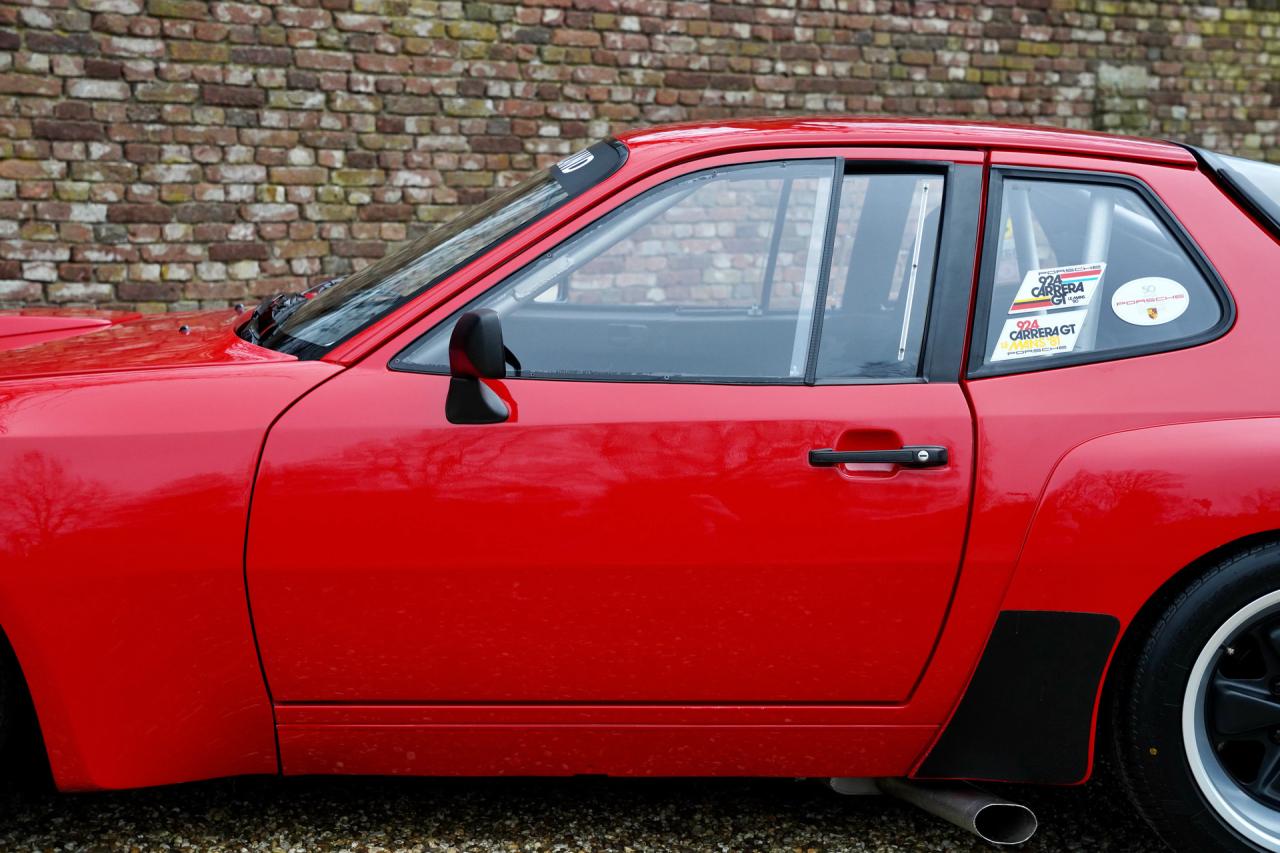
1150 301
1058 287
1028 337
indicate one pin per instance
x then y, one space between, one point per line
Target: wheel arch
1138 629
1134 631
22 742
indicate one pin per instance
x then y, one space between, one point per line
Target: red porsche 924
899 453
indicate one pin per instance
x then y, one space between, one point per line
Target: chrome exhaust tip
991 818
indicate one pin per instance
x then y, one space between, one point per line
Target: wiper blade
278 307
283 308
270 313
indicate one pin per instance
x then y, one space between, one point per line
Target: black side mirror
476 352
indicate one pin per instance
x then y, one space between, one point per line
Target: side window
718 275
881 276
1084 268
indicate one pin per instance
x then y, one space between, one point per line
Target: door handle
915 456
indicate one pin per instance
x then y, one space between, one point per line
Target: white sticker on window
1030 337
1150 301
1058 287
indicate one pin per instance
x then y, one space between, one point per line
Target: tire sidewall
1155 756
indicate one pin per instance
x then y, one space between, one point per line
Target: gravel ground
557 816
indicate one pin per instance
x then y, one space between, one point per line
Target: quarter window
720 276
1083 268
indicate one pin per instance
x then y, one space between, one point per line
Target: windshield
1257 184
342 309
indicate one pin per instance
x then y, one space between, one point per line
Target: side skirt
538 740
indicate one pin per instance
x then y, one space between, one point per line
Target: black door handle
908 457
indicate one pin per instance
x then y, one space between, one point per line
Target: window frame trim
978 368
955 254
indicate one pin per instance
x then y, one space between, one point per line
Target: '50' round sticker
1150 301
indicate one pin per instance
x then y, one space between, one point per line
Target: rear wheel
1196 716
11 704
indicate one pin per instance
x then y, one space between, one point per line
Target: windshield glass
349 305
1258 183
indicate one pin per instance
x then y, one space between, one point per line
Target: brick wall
180 153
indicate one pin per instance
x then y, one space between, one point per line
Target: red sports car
886 451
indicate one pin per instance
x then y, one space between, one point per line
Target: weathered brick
29 84
386 212
139 213
171 173
238 251
323 60
278 57
196 9
71 130
198 51
106 69
119 7
173 93
358 177
298 175
243 270
73 110
82 43
21 291
205 212
304 249
114 90
30 169
232 96
269 212
359 248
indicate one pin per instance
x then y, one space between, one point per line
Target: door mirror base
470 401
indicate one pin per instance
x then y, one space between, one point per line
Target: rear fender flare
1121 516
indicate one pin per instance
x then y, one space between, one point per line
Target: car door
649 523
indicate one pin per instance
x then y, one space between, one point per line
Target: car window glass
1088 268
333 313
713 275
881 275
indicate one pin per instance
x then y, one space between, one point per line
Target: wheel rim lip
1246 815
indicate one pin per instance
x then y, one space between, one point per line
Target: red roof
927 133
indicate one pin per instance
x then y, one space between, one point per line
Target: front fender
123 504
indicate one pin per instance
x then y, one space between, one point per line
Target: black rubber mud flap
1027 716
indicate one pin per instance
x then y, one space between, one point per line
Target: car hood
37 325
49 342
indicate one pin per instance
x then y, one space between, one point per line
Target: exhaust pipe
987 816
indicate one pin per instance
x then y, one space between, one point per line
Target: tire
1185 699
10 704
